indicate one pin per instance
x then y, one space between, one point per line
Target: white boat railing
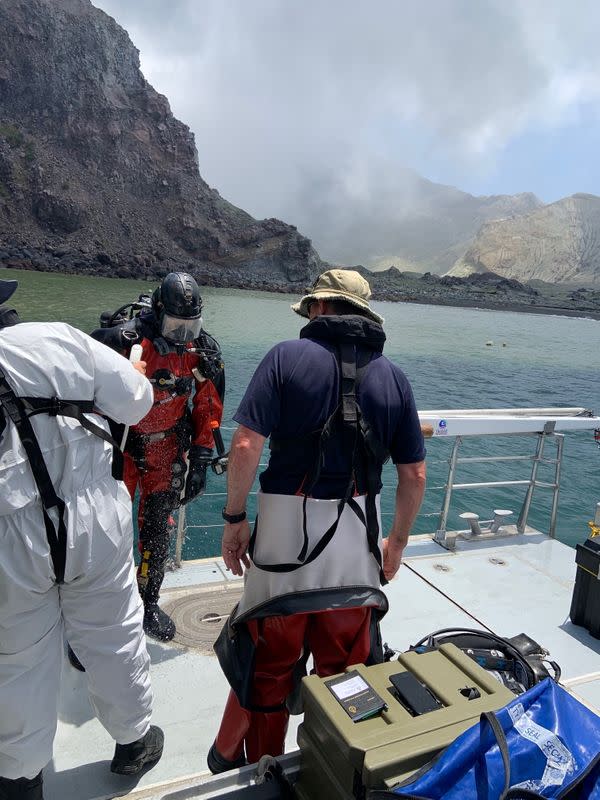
504 421
532 483
545 422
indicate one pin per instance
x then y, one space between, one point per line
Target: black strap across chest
19 410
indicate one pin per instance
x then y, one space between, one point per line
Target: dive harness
20 410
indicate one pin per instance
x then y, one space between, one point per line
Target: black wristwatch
233 518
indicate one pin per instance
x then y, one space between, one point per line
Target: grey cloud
310 111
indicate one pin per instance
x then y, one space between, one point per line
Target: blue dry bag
544 744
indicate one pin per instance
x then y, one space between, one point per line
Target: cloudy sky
292 98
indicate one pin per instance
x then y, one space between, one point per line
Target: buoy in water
489 344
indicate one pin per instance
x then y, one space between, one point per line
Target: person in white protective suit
66 566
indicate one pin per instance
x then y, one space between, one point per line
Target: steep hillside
398 218
559 243
96 173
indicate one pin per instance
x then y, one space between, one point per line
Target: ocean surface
533 360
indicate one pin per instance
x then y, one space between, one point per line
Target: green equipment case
342 759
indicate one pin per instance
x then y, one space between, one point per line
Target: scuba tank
110 319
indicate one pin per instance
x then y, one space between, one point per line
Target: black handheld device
356 696
415 697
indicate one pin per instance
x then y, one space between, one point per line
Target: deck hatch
199 616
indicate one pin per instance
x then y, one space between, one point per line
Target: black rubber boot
22 788
157 623
129 759
218 763
73 660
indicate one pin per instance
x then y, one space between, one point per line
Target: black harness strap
57 538
20 409
372 529
76 409
348 369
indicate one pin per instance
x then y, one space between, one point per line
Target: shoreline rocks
485 291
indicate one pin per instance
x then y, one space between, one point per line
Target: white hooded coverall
97 608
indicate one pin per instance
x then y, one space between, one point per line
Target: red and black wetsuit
157 447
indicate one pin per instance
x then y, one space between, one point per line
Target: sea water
454 358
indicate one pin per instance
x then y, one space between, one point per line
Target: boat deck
519 583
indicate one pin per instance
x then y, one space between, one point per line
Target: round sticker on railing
442 428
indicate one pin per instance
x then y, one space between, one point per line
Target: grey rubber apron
346 562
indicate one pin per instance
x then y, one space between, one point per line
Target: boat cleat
473 520
500 517
478 529
486 529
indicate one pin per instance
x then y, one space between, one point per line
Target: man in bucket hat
335 409
340 285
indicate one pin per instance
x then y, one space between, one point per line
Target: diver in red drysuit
167 454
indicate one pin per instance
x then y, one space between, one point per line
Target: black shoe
158 624
218 763
73 660
129 759
22 788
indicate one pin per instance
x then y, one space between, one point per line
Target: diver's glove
199 459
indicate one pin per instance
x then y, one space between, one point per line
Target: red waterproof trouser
336 639
157 475
158 498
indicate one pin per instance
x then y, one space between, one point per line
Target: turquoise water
547 361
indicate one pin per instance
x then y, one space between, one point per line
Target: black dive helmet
178 308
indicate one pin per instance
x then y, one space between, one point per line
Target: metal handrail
532 483
189 527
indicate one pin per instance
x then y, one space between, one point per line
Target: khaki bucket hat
340 284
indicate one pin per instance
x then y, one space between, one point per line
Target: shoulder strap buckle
54 406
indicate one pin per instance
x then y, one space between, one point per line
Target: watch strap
233 518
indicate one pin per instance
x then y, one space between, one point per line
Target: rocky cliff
96 173
559 243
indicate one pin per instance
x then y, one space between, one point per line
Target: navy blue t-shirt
294 391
